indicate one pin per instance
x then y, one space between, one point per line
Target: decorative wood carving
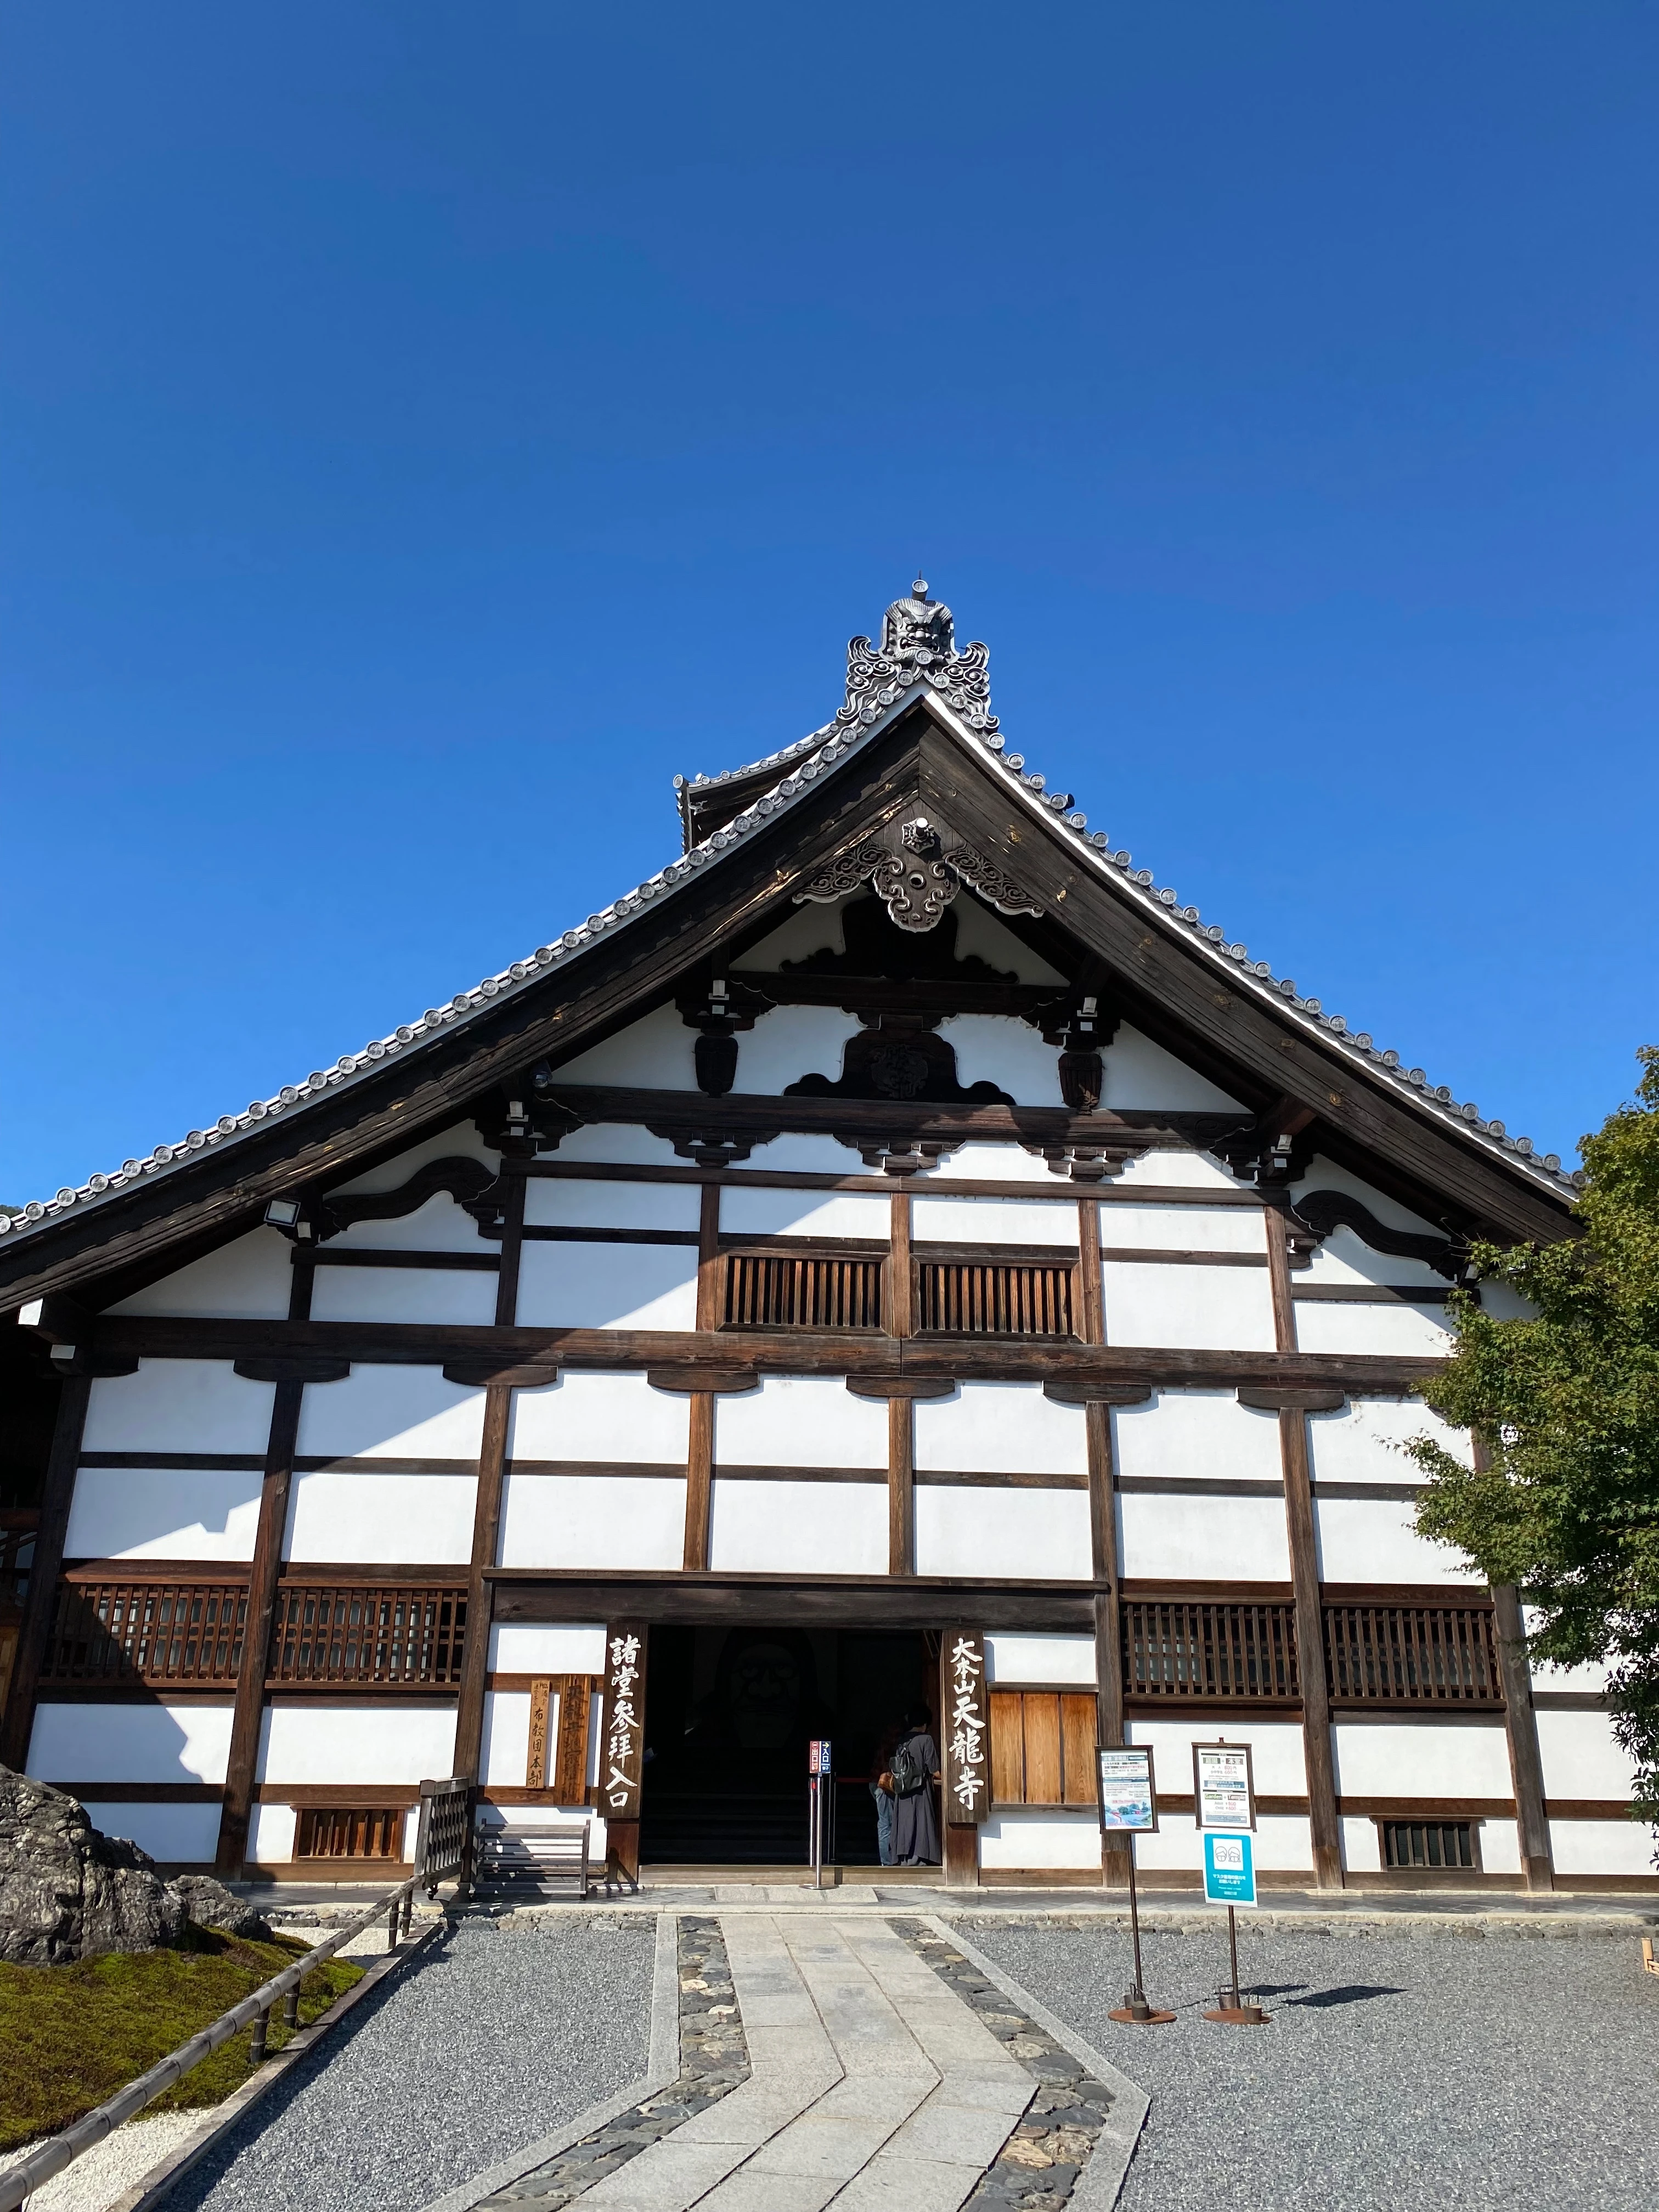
466 1180
478 1374
292 1367
1097 1393
1272 1398
1082 1163
897 1057
916 868
902 1386
1322 1211
719 1382
902 964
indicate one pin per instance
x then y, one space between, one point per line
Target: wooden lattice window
995 1297
1043 1747
1416 1655
1424 1846
802 1289
350 1832
146 1631
1226 1649
367 1633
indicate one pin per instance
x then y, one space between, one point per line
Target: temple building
900 1255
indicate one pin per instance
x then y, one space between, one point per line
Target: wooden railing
1229 1649
367 1633
995 1298
160 1632
790 1290
1416 1655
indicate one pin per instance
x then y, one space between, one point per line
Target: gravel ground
1482 2072
486 2044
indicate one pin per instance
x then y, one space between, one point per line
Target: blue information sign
1229 1869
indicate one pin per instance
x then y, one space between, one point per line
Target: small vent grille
1428 1843
351 1832
995 1298
773 1290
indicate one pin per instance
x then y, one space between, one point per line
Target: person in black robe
915 1817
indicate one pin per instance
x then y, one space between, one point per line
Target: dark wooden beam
486 1546
263 1576
38 1606
844 1601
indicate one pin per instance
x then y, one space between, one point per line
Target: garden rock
67 1891
210 1905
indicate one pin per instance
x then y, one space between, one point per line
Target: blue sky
423 429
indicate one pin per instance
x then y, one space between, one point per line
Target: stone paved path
882 2071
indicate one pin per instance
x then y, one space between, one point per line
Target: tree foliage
1567 1406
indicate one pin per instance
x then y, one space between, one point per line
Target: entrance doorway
729 1713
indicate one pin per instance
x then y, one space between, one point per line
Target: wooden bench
543 1852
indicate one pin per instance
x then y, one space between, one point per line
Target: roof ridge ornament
918 640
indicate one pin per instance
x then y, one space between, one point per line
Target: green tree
1567 1406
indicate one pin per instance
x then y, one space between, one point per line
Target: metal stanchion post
1135 2011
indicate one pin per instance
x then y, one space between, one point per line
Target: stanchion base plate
1239 2016
1140 2019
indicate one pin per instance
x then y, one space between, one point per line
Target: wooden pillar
240 1766
1520 1727
1103 1531
506 1283
40 1605
1323 1827
699 1444
480 1589
901 1414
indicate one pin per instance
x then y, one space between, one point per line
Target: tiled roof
878 690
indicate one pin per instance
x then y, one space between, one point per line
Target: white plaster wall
1500 1847
405 1294
1030 1534
1362 1847
274 1831
789 1043
599 1417
1581 1759
163 1513
1421 1759
1277 1759
1325 1175
805 929
1343 1258
1185 1229
1361 1539
799 1155
1001 1428
982 935
390 1412
1002 1049
1011 1658
1068 1840
593 1520
1362 1443
1591 1676
1603 1847
1001 1163
357 1743
607 1287
180 1404
1283 1844
130 1742
1196 1434
174 1834
424 1520
801 1420
440 1225
653 1054
562 1648
1202 1539
806 1212
505 1752
620 1144
1174 1169
799 1528
461 1141
1140 1073
994 1221
561 1205
1504 1303
1392 1332
1189 1308
246 1279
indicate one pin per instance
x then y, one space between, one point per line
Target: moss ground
70 2036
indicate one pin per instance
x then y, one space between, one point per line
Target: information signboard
1224 1788
1230 1871
1127 1796
817 1756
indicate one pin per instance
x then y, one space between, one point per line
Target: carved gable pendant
916 868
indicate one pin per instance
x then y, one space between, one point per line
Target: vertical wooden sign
622 1742
535 1764
966 1729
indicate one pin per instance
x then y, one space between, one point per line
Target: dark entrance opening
729 1713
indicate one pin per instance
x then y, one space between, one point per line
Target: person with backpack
913 1771
881 1789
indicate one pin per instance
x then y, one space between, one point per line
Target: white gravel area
98 2176
484 2043
1402 2069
